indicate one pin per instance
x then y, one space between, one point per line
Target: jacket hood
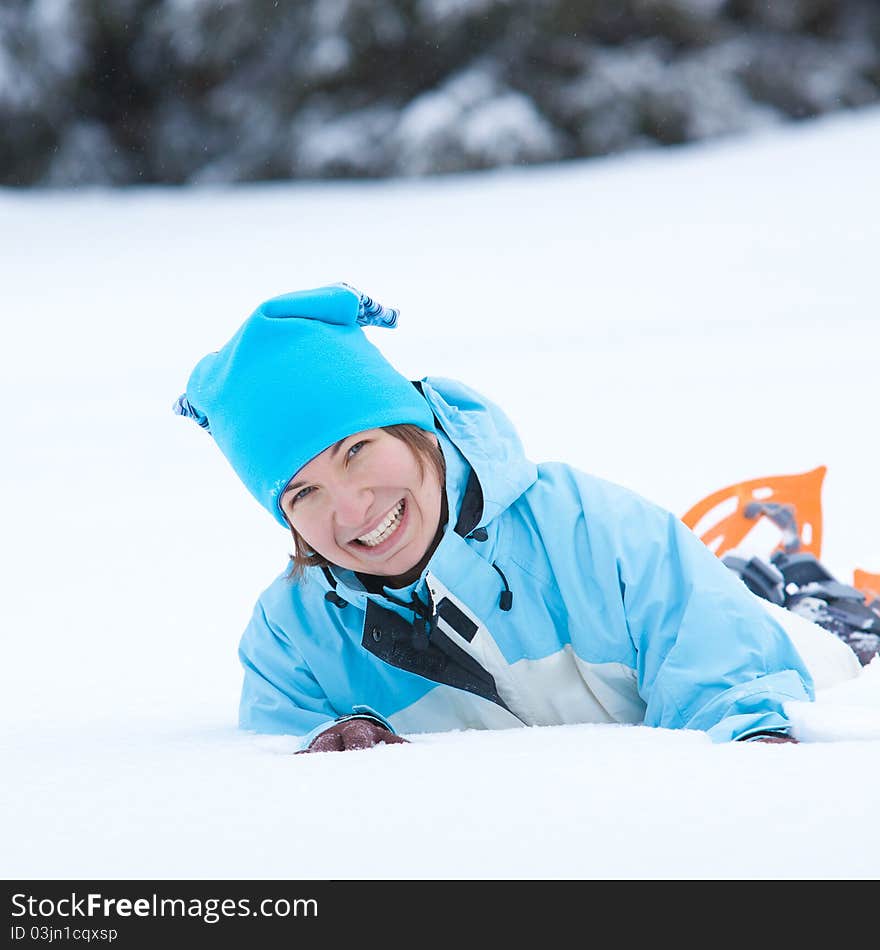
486 438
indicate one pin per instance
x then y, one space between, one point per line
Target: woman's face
364 505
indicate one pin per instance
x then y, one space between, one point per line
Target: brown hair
426 452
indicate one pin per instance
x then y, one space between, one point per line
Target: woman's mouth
385 530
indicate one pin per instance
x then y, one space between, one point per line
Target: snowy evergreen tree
178 91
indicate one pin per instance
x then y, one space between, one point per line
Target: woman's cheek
305 529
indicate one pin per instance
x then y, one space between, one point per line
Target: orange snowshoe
792 502
794 578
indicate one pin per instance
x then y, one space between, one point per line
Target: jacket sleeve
280 695
708 655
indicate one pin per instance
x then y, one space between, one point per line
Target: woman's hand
352 734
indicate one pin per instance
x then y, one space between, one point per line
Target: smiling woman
441 580
338 506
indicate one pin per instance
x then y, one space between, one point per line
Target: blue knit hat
298 376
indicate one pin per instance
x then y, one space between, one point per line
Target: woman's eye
356 448
301 494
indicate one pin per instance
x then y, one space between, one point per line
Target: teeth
384 530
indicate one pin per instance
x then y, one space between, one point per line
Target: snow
675 321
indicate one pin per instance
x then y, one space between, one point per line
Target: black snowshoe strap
802 585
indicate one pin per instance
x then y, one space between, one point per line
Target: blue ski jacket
553 597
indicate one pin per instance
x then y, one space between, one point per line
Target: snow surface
675 321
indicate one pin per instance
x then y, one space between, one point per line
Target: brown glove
777 738
352 734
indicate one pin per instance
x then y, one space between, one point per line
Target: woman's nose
351 507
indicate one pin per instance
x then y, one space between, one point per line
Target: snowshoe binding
793 577
801 584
